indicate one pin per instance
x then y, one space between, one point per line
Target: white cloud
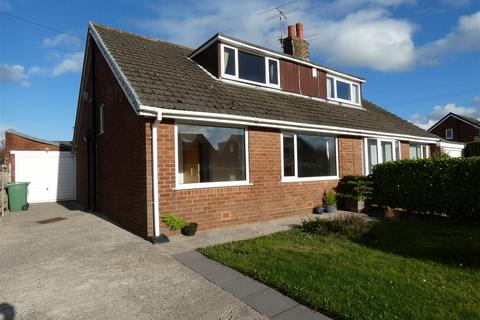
438 112
367 38
14 74
72 63
60 40
464 38
476 100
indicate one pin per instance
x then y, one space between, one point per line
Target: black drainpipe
93 204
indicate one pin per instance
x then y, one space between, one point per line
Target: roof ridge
140 36
470 119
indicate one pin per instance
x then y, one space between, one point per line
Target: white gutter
157 237
279 124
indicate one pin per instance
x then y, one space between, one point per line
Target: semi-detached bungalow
225 134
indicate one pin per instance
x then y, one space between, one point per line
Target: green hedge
472 149
439 185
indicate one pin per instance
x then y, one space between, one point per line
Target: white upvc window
449 134
341 90
380 151
419 151
210 155
248 67
308 157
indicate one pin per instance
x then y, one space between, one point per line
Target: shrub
441 185
174 222
330 197
472 149
355 187
351 226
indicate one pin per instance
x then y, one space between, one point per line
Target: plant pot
354 205
389 213
190 229
330 209
318 210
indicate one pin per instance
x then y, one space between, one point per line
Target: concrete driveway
83 267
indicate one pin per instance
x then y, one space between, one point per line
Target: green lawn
409 269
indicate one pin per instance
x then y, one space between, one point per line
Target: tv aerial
280 12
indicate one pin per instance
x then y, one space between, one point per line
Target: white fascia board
452 145
275 55
279 124
116 70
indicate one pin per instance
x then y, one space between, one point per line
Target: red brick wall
14 142
123 177
462 132
265 199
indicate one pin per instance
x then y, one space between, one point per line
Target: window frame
101 119
237 66
351 83
379 151
451 134
422 154
202 185
295 178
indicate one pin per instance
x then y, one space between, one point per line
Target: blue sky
421 59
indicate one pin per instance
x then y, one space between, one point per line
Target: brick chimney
295 45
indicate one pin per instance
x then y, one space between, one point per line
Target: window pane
229 61
424 152
355 93
330 90
316 156
397 150
251 67
210 154
343 90
288 156
415 152
387 151
272 71
372 154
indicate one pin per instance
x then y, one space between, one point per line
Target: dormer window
343 90
248 67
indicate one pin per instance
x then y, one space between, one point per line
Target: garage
51 174
49 166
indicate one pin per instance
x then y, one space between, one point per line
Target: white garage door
51 174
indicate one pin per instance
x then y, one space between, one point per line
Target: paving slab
300 312
257 295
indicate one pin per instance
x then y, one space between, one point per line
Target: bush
355 187
472 149
351 226
330 198
441 185
174 222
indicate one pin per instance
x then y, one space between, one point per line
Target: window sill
207 185
259 84
309 179
345 103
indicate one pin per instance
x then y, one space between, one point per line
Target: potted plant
354 190
318 209
330 201
176 223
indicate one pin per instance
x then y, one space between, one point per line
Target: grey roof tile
162 75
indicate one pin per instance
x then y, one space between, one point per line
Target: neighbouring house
49 166
457 128
224 134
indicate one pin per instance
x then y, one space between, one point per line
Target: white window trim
202 185
351 83
237 78
379 151
422 156
101 122
295 158
447 136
